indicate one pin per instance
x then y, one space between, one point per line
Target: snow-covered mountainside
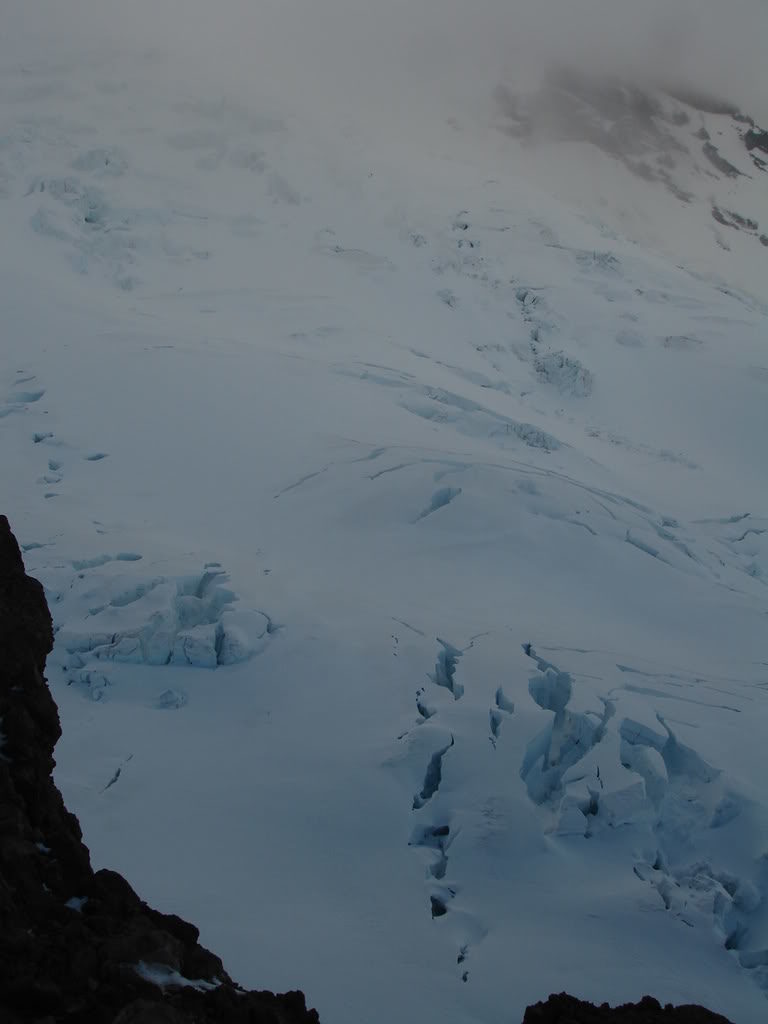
711 159
401 505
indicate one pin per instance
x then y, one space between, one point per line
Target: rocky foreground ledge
564 1009
79 946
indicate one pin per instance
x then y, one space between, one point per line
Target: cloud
386 53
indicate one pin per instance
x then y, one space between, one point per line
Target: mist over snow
369 55
383 404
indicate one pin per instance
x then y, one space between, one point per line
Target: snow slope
405 530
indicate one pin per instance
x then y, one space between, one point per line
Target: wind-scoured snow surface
398 484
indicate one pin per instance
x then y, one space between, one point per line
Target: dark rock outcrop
730 219
756 138
75 945
565 1009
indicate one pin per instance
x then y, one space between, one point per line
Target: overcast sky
379 51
